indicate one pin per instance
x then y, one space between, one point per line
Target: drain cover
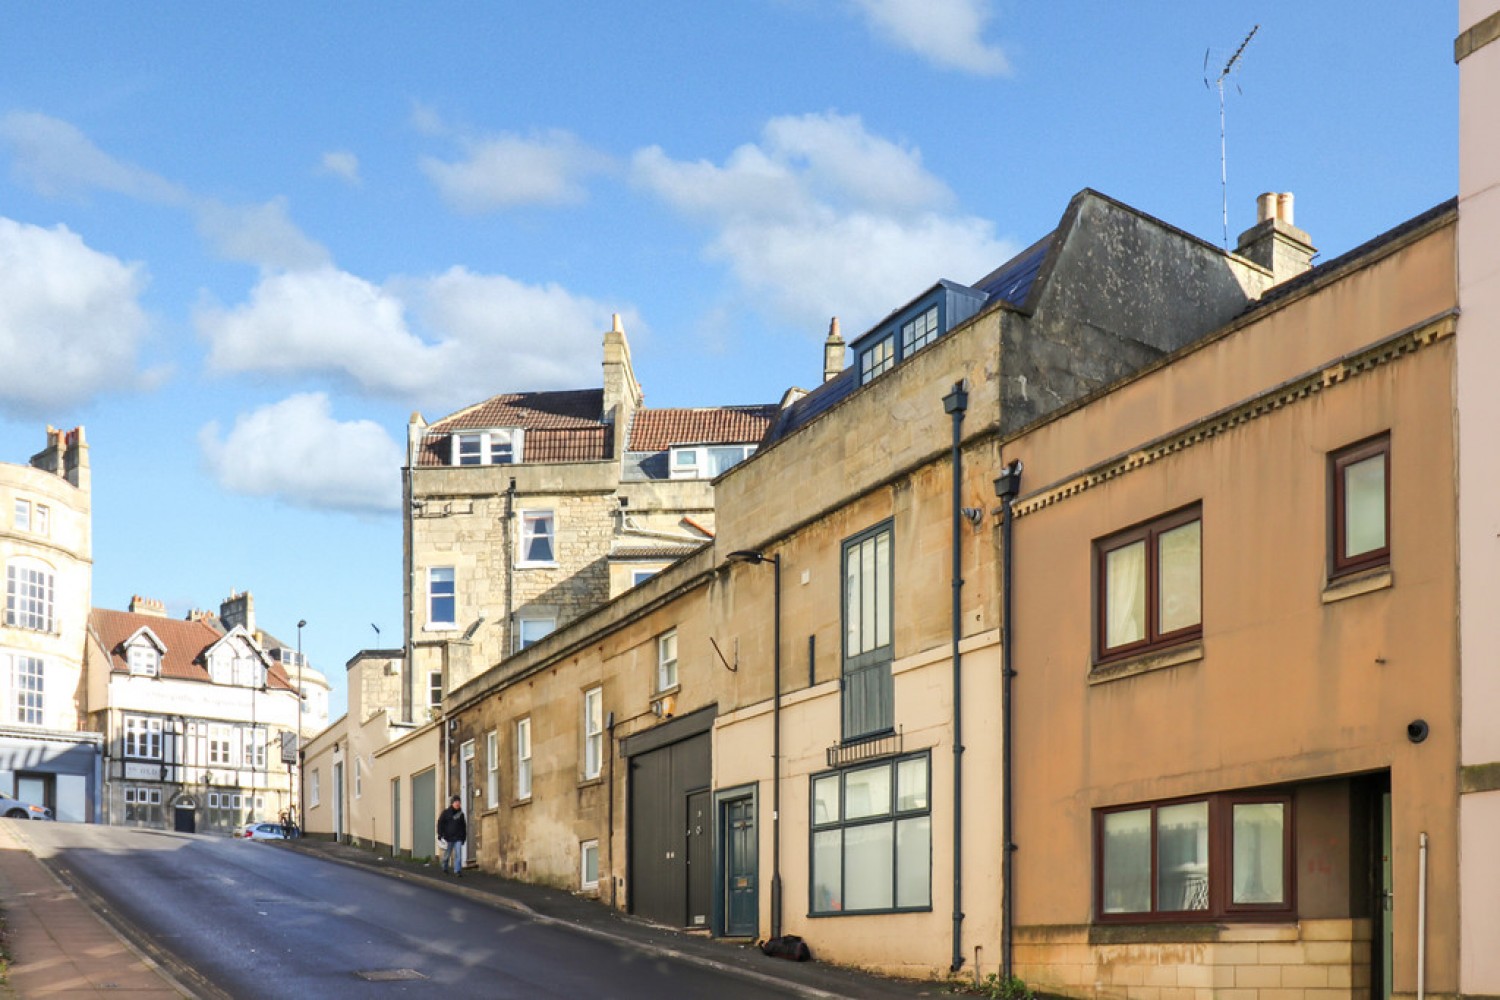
389 975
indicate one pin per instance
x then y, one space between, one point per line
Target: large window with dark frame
868 708
1149 585
1360 508
872 838
1211 858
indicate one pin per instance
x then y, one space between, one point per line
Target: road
258 920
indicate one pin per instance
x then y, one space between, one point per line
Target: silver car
13 808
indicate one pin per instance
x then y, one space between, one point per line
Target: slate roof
562 426
186 642
656 430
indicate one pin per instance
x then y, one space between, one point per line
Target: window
41 520
492 765
359 778
144 660
491 447
1148 585
588 853
139 802
220 744
1200 859
868 700
593 732
708 461
872 838
531 630
435 689
523 759
666 660
1360 498
537 539
877 359
440 596
254 747
22 520
640 576
142 737
314 787
29 690
28 596
919 332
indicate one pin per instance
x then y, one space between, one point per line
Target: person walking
453 831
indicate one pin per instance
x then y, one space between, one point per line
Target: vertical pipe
408 594
776 752
812 661
1422 920
955 403
1007 486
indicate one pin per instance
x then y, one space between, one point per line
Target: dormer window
919 331
707 461
499 446
877 359
144 659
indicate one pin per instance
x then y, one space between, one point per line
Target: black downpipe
955 403
1007 486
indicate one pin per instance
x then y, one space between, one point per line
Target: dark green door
740 890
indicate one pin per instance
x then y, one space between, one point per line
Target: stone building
47 550
761 739
529 509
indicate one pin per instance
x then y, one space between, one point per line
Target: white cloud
296 451
948 33
341 164
71 322
824 218
444 340
503 171
57 159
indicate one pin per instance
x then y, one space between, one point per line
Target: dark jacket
452 827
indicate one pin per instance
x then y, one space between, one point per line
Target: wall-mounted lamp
1008 483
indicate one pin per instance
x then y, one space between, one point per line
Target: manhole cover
389 975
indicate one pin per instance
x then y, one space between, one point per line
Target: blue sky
242 244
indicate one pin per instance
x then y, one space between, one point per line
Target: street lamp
301 807
747 556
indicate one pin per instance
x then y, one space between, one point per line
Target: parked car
263 831
13 808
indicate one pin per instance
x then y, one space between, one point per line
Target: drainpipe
408 532
509 559
776 752
1007 486
955 403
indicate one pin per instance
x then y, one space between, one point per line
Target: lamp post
301 800
775 561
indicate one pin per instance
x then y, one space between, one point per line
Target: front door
700 859
741 918
424 814
338 803
185 818
395 816
1384 910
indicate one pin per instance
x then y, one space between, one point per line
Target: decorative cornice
1303 387
1477 37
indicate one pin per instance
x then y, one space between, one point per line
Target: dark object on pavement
788 946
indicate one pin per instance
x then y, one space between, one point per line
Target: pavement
59 947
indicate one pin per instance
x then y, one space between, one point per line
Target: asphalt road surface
256 921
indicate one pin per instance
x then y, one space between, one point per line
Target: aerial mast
1223 150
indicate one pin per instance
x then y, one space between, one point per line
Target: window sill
1356 584
536 565
667 691
822 914
1145 663
598 779
440 627
517 803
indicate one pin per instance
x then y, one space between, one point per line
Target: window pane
867 595
851 601
1364 506
911 784
914 862
827 875
869 856
867 792
1125 595
882 590
1258 853
1179 552
1182 857
1127 861
826 799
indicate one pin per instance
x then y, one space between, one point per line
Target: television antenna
1223 151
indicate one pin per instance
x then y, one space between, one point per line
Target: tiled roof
656 430
185 642
654 552
565 426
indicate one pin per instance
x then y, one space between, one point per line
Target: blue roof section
1011 282
820 400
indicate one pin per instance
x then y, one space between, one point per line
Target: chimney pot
1284 207
1266 206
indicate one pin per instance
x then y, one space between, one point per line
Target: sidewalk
812 979
58 946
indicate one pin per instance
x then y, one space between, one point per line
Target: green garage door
424 814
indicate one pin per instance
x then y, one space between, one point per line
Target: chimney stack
146 606
833 352
238 609
1274 242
